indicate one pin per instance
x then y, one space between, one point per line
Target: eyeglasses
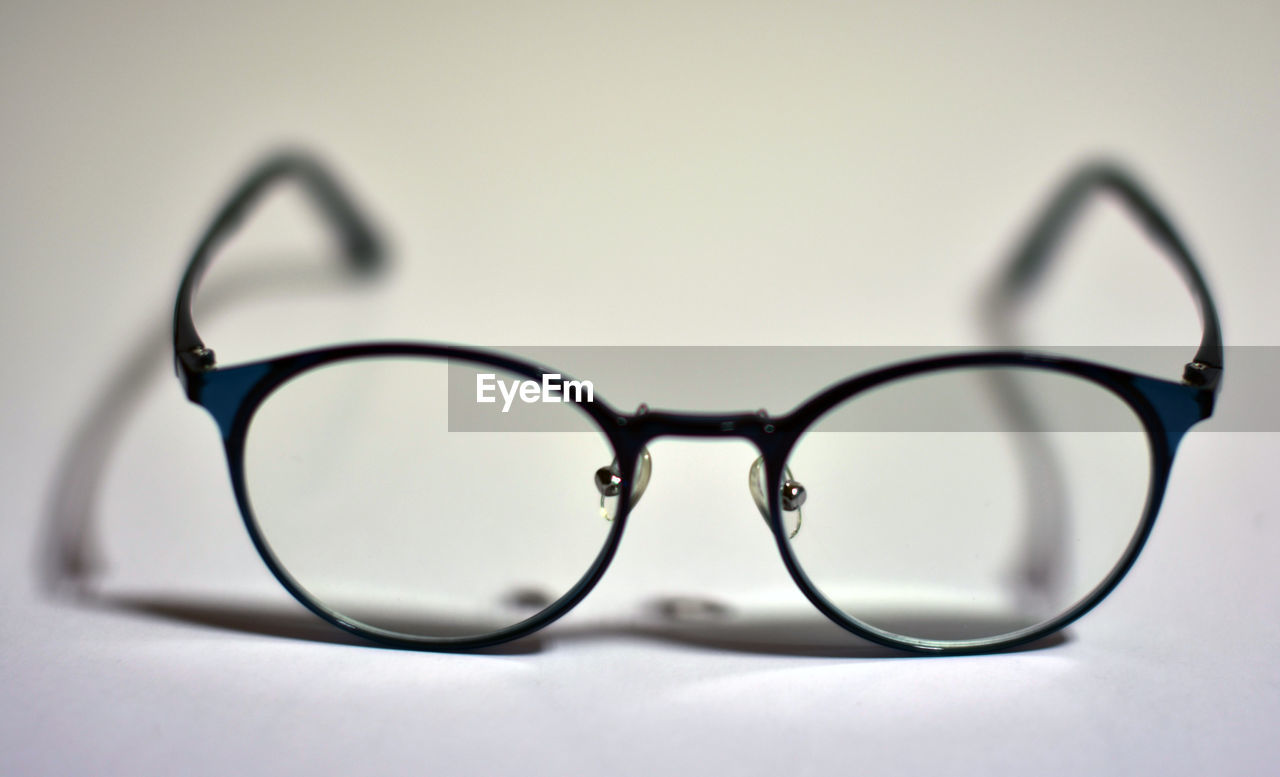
384 522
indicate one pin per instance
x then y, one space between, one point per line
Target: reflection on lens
966 505
386 517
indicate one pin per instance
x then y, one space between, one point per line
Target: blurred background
575 173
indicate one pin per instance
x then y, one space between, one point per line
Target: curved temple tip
1097 175
365 250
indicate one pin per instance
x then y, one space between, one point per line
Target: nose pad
792 497
609 484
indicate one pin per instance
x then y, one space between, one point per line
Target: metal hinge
189 365
1201 375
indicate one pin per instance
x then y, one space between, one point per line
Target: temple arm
1036 248
360 245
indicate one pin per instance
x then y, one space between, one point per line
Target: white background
648 174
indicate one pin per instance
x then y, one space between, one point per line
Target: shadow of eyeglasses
680 620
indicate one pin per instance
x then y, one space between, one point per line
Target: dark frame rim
1120 383
284 369
1166 409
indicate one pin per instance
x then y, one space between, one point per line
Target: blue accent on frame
1178 405
224 390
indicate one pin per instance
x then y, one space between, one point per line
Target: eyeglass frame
1167 409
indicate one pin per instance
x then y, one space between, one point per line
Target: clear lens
964 506
386 517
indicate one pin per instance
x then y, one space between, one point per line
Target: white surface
560 174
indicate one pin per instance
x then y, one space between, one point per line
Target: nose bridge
649 425
757 428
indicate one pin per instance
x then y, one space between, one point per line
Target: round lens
428 498
967 506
